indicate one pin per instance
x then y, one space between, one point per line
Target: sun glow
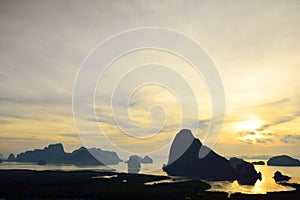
250 125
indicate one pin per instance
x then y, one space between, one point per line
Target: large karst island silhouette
184 160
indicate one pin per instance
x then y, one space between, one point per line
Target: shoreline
19 183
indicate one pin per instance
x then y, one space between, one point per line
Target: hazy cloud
246 132
17 138
278 121
257 140
276 103
267 137
290 139
69 135
5 122
264 140
256 137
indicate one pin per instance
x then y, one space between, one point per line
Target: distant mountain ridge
55 154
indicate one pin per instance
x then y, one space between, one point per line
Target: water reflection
267 184
105 177
171 180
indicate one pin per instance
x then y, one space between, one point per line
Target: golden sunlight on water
267 184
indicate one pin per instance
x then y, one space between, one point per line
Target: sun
250 125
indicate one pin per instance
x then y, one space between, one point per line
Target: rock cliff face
184 160
283 160
55 154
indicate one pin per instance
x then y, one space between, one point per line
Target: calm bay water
261 187
267 184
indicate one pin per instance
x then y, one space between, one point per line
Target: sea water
267 184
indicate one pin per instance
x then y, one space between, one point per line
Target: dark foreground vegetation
83 184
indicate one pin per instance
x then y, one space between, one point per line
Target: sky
253 44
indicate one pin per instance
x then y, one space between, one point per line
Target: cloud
280 120
41 100
272 104
290 139
268 133
17 138
256 137
257 140
202 124
5 122
69 135
276 103
247 141
10 115
246 132
263 141
285 119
